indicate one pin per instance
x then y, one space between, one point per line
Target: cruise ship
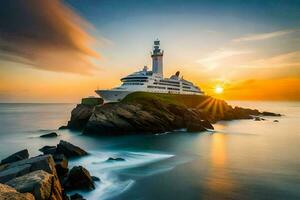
151 81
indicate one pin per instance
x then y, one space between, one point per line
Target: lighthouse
157 59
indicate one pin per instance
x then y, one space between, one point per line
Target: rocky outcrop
80 116
49 135
156 113
20 155
9 193
41 184
69 150
270 114
79 178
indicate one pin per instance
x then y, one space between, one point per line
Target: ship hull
112 95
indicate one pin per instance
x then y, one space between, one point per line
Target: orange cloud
46 35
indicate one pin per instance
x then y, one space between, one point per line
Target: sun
219 89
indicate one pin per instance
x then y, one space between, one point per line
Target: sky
62 50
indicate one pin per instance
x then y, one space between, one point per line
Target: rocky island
142 112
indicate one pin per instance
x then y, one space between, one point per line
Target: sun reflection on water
219 182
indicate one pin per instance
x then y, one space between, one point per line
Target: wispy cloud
291 59
262 36
214 59
46 35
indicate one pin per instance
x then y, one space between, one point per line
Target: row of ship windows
159 87
192 91
132 83
167 84
163 81
155 83
135 80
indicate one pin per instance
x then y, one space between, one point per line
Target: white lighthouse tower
157 59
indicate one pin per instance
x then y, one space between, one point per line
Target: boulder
44 162
115 159
61 165
48 150
41 184
80 116
79 178
257 119
63 127
70 150
195 127
95 178
12 172
275 120
76 196
49 135
9 193
20 155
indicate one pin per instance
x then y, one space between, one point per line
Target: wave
109 172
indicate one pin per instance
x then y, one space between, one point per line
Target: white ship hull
112 95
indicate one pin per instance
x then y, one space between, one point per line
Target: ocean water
241 159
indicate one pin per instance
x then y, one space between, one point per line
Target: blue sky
88 44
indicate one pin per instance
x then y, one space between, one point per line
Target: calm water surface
243 159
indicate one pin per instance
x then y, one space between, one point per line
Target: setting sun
219 89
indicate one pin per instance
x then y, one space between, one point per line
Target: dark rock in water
95 178
115 159
275 120
79 178
49 135
76 196
270 114
9 193
206 124
48 150
41 184
195 127
61 165
20 155
63 127
257 119
70 150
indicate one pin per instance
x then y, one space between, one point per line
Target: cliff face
155 113
153 117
